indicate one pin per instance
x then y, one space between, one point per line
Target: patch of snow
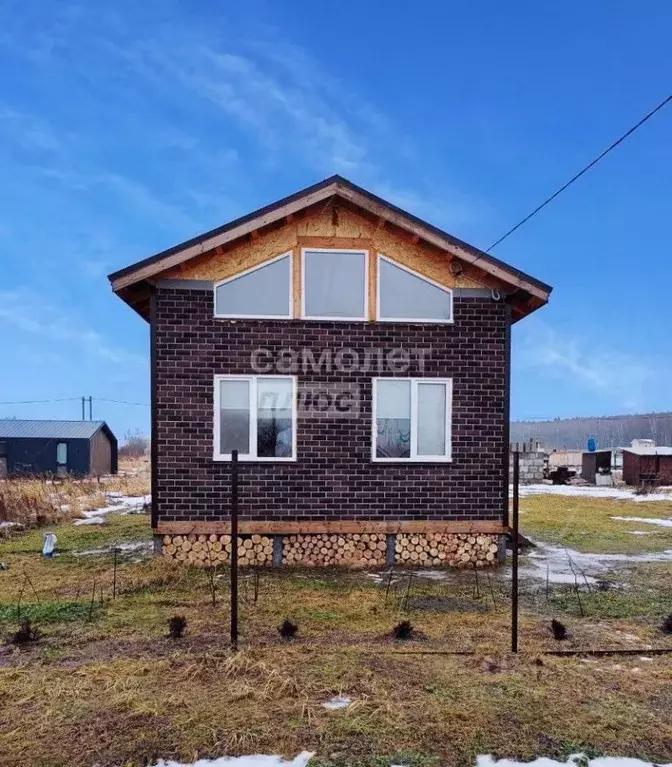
592 491
639 532
600 761
90 521
340 701
258 760
565 565
645 658
10 524
124 504
646 520
122 548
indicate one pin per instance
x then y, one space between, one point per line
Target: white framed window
412 419
335 284
255 415
262 292
408 296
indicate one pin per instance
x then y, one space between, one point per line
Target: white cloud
596 366
31 314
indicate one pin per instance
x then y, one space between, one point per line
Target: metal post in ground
514 550
234 550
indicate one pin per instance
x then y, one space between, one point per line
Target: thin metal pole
234 550
514 544
114 576
90 408
83 409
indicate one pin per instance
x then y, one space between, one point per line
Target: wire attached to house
581 172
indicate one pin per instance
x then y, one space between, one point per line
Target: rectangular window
62 453
255 415
263 292
407 296
334 284
412 419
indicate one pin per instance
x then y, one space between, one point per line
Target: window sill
402 461
252 459
411 321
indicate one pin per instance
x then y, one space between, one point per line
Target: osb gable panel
324 224
213 266
421 258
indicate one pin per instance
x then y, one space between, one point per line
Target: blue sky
127 127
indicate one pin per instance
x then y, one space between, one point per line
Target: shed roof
649 450
29 429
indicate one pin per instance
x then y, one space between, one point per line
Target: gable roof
29 429
128 280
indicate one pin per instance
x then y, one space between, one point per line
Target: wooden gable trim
384 213
230 236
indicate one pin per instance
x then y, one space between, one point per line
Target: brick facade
333 477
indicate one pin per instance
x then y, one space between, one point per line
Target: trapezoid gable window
334 284
255 415
263 292
407 296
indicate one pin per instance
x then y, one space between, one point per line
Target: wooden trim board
247 527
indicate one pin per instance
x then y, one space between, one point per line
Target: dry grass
111 688
34 502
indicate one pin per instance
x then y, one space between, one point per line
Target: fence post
234 550
514 550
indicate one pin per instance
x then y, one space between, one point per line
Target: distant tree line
610 431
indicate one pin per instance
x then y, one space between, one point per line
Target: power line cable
37 401
121 402
581 172
70 399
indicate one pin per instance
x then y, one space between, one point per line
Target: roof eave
332 186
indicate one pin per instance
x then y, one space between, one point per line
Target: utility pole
83 408
90 408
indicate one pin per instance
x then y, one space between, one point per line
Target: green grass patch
42 612
586 524
118 528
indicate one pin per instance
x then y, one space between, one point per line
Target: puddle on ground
141 547
558 564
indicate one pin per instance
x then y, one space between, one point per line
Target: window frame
414 457
364 252
434 283
250 458
289 254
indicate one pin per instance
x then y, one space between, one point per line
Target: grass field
106 686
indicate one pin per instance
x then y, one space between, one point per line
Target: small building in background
56 448
645 463
596 467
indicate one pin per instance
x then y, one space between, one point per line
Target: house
645 463
357 357
57 448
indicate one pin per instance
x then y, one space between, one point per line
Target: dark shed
595 462
647 466
58 448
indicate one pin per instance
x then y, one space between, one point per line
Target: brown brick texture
334 477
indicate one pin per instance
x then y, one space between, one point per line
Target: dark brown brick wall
334 476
